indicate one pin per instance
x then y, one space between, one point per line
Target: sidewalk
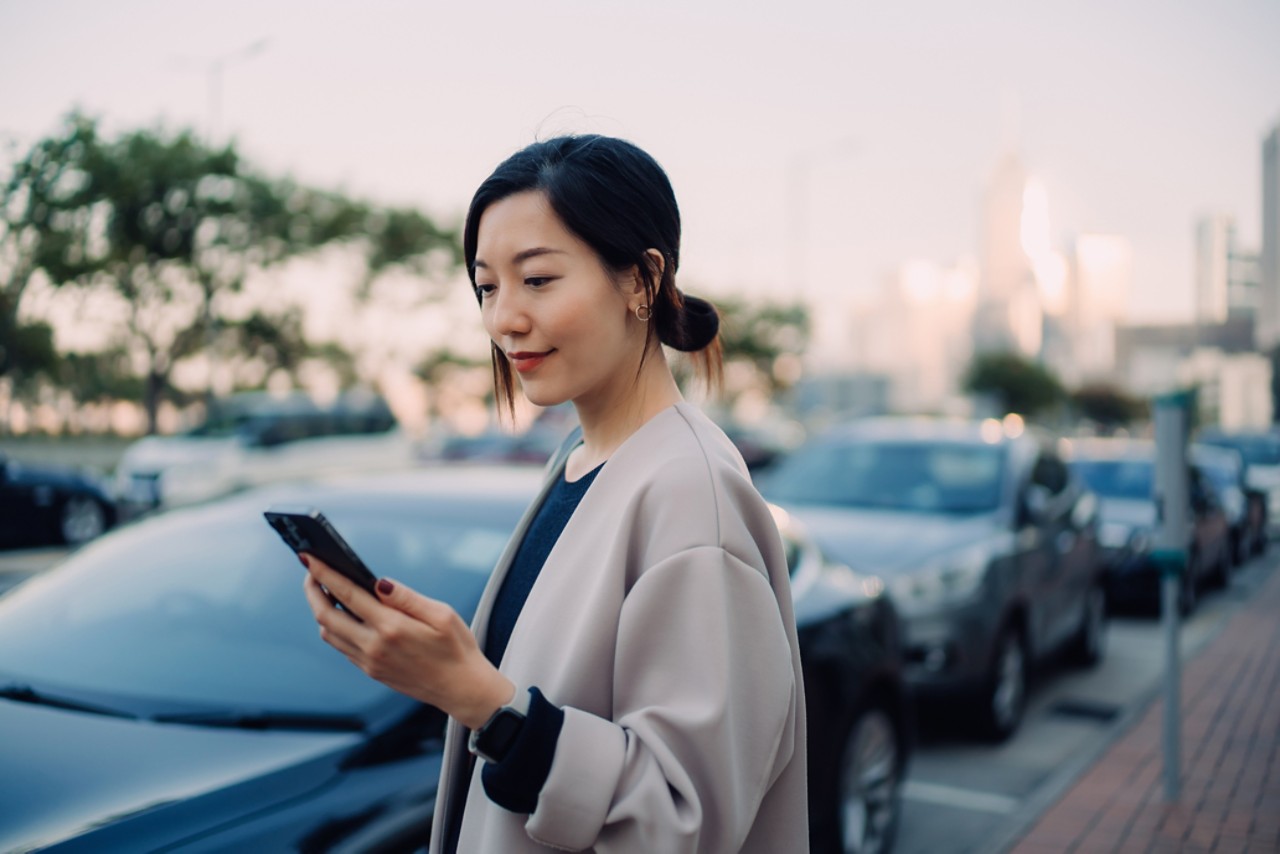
1230 800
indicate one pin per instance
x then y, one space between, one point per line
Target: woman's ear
657 264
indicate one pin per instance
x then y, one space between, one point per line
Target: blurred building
1234 389
1227 276
1220 359
1008 314
1098 288
1269 268
918 335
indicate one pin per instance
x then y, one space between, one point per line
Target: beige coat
661 623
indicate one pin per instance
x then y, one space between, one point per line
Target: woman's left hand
409 642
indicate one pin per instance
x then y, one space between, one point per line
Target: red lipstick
525 361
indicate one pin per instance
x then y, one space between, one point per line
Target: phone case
306 529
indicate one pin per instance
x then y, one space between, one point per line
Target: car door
11 509
1060 593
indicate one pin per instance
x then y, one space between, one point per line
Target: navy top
515 782
562 499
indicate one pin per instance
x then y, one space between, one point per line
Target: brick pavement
1230 799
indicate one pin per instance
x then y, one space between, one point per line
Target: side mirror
1035 504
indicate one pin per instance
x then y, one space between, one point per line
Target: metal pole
1170 554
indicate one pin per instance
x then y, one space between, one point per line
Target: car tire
862 799
1004 694
1225 568
81 520
1089 644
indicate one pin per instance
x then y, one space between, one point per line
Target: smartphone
306 529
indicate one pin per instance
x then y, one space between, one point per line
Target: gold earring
643 313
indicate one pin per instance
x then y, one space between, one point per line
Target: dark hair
618 200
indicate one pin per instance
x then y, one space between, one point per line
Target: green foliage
759 334
1017 384
101 376
1107 406
172 228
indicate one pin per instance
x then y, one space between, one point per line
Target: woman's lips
525 362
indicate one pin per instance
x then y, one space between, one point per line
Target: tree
44 228
175 229
1108 406
1016 384
765 340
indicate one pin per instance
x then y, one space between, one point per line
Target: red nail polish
304 560
385 587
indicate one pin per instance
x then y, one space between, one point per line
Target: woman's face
565 321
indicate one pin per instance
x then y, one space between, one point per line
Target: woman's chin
542 396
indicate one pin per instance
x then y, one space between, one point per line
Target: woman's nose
507 313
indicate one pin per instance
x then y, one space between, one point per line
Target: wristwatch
493 741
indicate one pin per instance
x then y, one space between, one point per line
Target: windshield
915 476
1257 450
204 609
1129 479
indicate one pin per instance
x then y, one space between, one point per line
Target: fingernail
304 560
385 587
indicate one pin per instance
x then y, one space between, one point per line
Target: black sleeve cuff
515 783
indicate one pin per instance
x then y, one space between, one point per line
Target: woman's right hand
411 643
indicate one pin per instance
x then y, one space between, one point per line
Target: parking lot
966 796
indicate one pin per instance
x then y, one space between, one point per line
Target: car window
931 477
1131 479
205 608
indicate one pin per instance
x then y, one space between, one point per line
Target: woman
631 680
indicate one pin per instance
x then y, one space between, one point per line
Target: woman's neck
606 424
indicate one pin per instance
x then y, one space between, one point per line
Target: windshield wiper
254 719
26 694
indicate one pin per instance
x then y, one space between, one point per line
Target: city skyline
815 149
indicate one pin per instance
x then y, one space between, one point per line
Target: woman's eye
537 281
483 291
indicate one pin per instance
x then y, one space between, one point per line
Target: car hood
68 773
1131 512
1263 477
886 542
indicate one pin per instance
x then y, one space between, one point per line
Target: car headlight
1114 535
948 582
1140 541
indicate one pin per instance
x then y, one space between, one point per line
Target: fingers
352 597
338 628
424 609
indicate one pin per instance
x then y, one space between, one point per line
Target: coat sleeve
705 701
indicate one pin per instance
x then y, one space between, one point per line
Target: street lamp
214 68
799 178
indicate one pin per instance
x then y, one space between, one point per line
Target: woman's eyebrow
521 257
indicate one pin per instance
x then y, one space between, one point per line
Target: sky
815 146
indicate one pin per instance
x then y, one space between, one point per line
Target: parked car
254 438
860 728
1261 453
49 504
984 539
1245 508
1122 472
164 688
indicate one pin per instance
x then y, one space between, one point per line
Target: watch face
496 738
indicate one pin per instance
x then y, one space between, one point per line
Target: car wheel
1090 642
869 783
1222 573
1004 697
81 520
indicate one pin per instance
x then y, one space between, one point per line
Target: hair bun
693 328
